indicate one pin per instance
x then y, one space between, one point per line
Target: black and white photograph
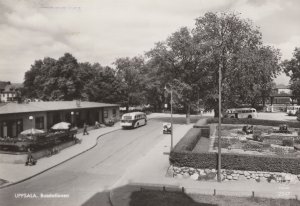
150 102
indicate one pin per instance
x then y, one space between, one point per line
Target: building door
68 117
95 115
56 118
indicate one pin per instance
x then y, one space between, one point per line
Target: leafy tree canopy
292 69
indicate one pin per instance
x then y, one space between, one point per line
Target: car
298 115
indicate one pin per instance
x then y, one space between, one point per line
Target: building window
105 114
39 122
114 112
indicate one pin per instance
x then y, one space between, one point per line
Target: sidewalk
151 170
21 172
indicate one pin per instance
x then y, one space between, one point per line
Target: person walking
29 155
30 161
85 132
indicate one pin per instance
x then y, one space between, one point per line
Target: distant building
282 95
9 91
283 89
15 117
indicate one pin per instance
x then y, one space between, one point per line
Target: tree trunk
216 111
188 114
128 102
264 101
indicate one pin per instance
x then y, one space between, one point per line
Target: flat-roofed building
16 117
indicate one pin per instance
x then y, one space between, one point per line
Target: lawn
165 198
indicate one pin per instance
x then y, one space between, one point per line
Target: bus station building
16 117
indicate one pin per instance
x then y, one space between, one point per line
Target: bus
292 110
133 120
241 113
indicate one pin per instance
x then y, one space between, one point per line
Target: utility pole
219 125
171 103
171 148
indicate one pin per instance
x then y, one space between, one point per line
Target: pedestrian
29 155
30 161
97 125
85 129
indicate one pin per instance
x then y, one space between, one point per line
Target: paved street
85 177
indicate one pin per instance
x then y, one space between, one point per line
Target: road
87 177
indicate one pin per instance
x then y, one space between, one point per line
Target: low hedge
189 140
201 123
254 122
232 161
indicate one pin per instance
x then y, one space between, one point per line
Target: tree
234 45
51 79
129 72
178 63
292 69
103 86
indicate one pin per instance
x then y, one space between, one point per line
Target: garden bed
262 142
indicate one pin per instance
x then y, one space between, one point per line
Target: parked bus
241 113
133 119
291 110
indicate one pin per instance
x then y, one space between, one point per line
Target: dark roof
11 108
12 87
3 85
281 95
281 86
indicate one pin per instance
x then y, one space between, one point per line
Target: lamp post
31 120
72 118
219 125
171 103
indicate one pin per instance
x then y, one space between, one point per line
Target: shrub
225 142
233 161
251 146
281 150
257 136
189 141
273 123
288 142
200 123
297 140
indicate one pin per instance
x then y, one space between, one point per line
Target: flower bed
264 156
262 141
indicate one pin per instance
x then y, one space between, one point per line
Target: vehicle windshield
127 117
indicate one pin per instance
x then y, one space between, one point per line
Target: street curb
30 177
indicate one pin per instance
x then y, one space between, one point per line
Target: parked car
298 115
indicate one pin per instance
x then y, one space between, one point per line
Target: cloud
101 31
287 48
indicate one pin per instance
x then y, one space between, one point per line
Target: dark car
298 115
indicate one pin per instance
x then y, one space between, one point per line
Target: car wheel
249 117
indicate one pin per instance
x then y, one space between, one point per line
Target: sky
104 30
